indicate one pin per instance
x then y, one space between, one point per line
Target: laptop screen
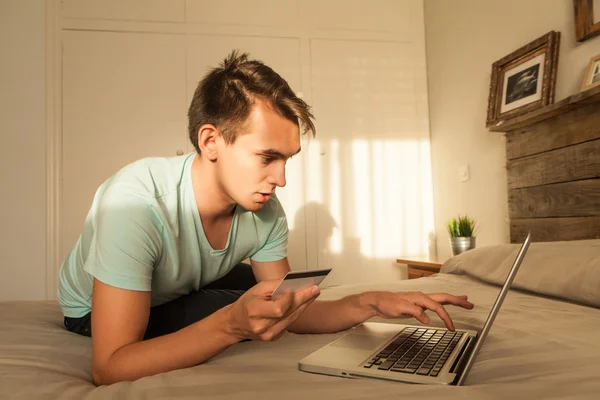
496 307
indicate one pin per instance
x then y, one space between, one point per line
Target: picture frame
587 19
592 75
524 80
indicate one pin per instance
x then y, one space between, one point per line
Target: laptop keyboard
417 351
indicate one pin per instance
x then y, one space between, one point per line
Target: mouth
264 197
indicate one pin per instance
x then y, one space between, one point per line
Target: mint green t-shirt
143 232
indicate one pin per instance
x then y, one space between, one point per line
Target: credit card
298 280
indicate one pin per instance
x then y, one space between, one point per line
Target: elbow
106 370
101 376
98 378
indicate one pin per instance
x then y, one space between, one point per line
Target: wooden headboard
553 170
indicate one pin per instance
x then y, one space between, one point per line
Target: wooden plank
580 161
571 199
425 262
555 229
417 273
574 127
586 97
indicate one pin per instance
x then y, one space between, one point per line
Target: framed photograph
592 76
587 19
524 80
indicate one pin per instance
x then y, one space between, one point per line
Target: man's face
250 169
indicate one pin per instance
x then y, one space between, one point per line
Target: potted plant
462 234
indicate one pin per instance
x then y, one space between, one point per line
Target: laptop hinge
459 363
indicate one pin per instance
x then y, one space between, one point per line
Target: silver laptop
407 353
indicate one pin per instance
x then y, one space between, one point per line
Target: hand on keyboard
414 304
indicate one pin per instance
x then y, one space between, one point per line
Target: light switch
463 173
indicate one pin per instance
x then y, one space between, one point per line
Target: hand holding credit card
298 280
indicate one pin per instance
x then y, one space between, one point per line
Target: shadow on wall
350 266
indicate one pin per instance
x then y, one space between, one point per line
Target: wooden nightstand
419 267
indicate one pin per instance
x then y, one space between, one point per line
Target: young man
161 231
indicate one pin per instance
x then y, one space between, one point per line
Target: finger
407 308
306 294
270 335
283 305
279 307
446 298
278 336
300 304
427 302
285 322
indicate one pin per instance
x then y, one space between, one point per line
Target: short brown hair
224 98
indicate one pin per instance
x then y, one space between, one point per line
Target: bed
544 343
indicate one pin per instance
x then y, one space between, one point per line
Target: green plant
461 227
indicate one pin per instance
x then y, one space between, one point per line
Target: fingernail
315 290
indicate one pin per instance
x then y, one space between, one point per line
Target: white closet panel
249 13
361 15
128 10
206 52
123 99
364 89
283 55
372 161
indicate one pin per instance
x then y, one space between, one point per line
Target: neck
212 202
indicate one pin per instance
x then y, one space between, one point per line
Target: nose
278 176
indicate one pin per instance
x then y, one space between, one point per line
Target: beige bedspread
538 348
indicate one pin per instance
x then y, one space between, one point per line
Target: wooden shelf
580 99
433 263
419 267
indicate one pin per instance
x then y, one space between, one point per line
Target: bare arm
321 316
338 315
119 320
332 316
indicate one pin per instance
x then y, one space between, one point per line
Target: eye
266 159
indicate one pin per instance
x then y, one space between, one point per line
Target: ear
208 136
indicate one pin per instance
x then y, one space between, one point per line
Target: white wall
22 150
463 39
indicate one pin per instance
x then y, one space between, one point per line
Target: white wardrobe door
124 98
259 13
125 10
372 162
283 55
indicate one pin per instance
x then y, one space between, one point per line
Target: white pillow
569 270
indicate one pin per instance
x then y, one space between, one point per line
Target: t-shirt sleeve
276 245
126 243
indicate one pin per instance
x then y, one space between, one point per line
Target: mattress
541 345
